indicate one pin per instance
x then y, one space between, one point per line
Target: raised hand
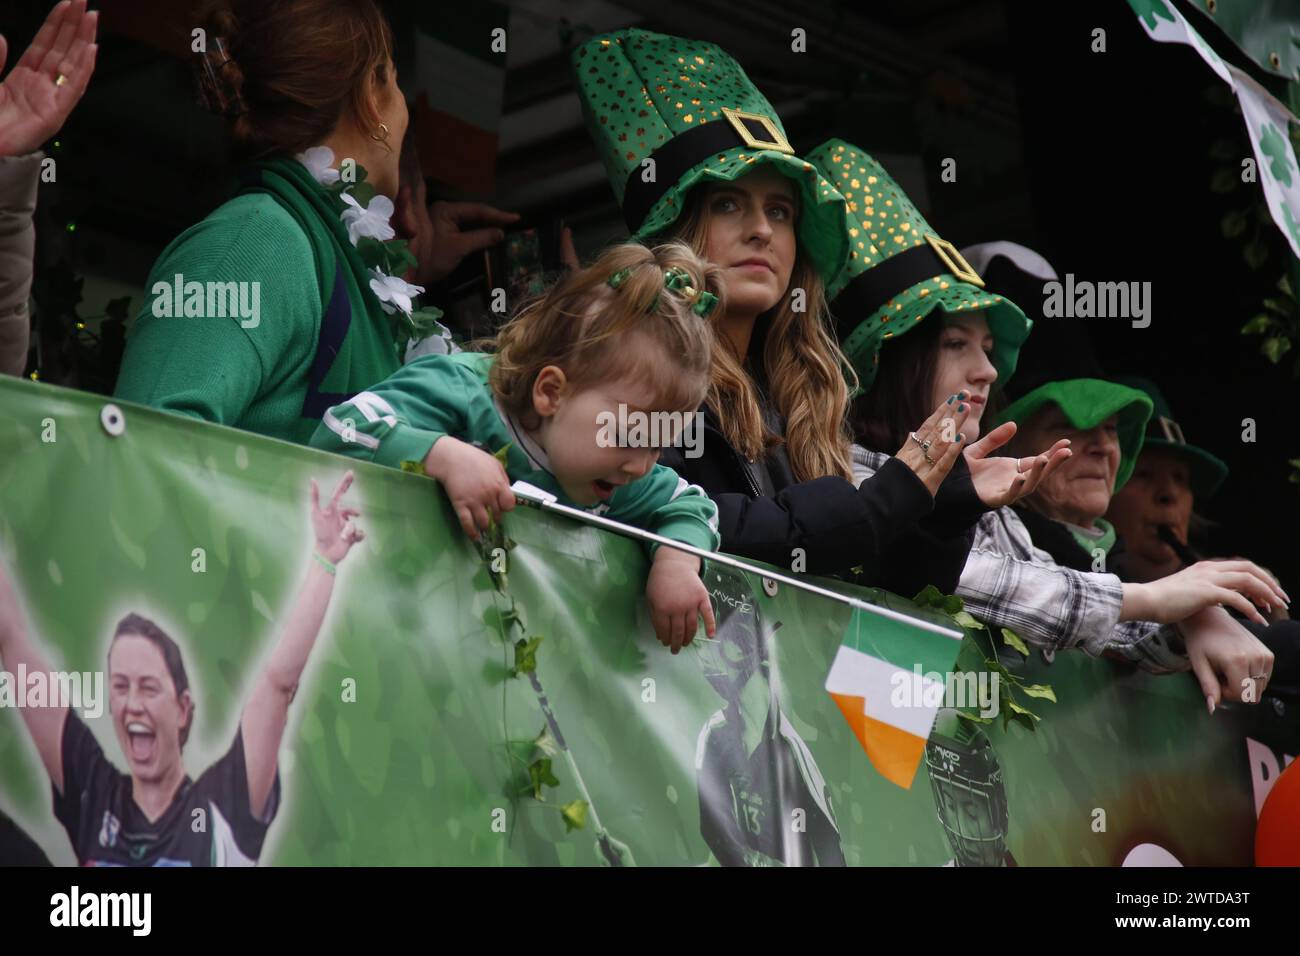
335 532
1001 481
48 80
438 236
932 449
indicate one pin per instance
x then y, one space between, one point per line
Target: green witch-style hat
1163 431
689 107
899 269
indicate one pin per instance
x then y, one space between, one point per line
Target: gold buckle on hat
775 140
954 260
1172 431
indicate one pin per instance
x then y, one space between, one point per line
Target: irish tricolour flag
875 682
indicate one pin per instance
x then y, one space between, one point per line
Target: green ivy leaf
416 467
1224 150
1259 324
1012 639
1275 347
974 717
502 454
965 619
1224 181
1008 679
1026 720
539 776
952 605
929 596
1255 253
1233 224
1039 690
575 815
372 253
399 260
499 621
1017 709
546 743
526 655
362 192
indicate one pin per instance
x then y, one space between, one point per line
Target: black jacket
889 525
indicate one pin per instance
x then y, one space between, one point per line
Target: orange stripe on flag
894 753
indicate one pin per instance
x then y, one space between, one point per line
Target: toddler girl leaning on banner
626 338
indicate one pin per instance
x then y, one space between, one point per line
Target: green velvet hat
899 269
1059 367
689 106
1163 431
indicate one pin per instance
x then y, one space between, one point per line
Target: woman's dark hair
136 626
286 71
900 399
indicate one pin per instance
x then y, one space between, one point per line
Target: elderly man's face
1159 493
1079 490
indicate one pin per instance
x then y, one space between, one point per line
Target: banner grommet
769 587
114 422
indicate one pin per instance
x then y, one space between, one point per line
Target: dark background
1103 162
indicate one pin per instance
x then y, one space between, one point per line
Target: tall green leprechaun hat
1163 431
689 107
899 270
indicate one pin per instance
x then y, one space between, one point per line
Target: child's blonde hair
597 332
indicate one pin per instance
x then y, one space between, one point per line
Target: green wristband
328 566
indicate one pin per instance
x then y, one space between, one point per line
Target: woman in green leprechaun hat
695 152
899 273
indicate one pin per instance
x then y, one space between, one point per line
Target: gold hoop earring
383 137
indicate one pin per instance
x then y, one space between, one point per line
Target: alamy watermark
637 429
969 689
208 300
72 689
1098 300
133 911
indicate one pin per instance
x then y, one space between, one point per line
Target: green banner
466 705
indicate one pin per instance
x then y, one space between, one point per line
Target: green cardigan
321 337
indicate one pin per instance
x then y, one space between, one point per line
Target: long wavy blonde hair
804 365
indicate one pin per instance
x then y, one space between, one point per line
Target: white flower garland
373 221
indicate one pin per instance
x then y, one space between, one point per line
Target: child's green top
399 419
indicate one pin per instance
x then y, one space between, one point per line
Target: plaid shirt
1009 583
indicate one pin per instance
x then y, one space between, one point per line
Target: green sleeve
400 418
669 505
214 368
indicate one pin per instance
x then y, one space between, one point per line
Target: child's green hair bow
679 280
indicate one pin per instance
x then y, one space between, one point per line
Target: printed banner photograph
436 702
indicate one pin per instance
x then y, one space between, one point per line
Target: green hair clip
679 280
